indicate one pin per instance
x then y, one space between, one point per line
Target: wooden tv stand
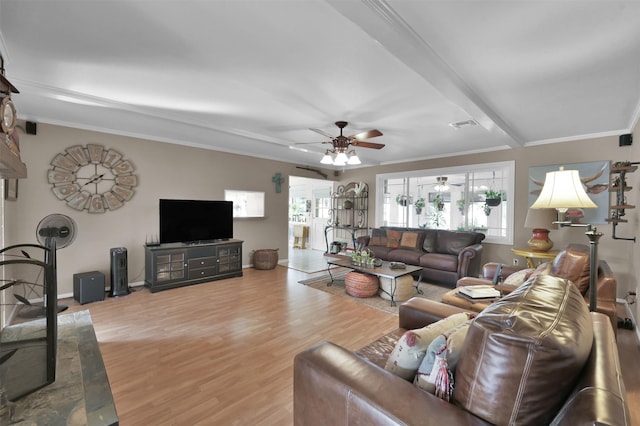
180 264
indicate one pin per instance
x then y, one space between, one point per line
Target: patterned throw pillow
393 238
412 346
447 347
518 277
378 237
411 240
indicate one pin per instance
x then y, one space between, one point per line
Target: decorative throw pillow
518 277
412 346
378 237
411 240
443 352
393 238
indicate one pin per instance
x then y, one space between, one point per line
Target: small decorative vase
540 240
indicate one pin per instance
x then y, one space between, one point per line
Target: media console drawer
202 262
201 273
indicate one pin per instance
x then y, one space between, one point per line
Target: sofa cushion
411 257
412 240
518 277
378 237
442 262
430 238
393 238
412 346
452 242
525 351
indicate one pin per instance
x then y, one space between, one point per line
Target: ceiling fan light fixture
341 159
353 158
327 159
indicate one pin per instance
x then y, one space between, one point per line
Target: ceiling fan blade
310 143
366 135
362 144
323 133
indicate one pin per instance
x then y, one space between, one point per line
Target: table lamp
540 221
563 190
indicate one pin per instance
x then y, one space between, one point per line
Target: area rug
429 291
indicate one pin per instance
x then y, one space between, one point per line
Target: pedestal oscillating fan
54 232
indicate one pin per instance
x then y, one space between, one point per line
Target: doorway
309 204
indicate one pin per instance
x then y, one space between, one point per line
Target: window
246 203
476 197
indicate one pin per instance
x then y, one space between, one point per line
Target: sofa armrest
599 396
333 386
469 261
418 312
362 242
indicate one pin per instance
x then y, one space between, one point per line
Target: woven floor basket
361 285
404 288
265 258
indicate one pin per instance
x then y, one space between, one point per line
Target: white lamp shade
353 159
341 159
541 219
327 159
563 190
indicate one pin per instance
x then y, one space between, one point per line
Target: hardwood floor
222 352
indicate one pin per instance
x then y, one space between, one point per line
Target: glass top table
384 271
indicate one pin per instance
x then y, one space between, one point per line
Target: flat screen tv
191 221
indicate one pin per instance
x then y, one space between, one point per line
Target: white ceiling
252 77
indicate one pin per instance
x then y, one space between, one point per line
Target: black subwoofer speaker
88 287
119 276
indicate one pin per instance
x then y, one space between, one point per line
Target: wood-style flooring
221 353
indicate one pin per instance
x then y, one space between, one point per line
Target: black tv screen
188 221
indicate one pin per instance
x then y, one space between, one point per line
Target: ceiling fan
342 143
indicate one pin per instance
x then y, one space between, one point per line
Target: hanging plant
438 202
419 205
404 200
487 209
492 198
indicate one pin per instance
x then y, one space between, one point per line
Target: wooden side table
531 255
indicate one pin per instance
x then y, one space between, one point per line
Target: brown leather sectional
536 357
571 263
445 256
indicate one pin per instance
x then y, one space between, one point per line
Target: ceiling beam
378 19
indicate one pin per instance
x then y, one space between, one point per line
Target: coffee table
383 271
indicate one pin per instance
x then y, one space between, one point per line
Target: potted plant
492 198
404 200
419 205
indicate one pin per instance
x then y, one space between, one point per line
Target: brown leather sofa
571 263
445 256
536 357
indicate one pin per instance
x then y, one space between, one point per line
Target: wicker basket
265 258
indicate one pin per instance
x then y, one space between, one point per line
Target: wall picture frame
11 189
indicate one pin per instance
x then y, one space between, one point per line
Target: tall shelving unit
619 187
348 216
